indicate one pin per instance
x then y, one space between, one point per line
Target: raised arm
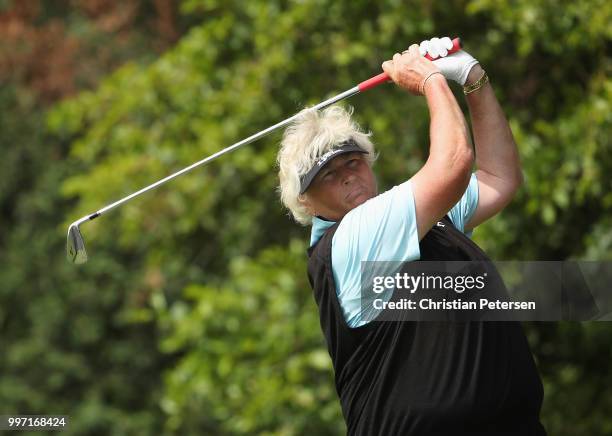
439 184
497 160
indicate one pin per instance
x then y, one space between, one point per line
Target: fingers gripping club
384 77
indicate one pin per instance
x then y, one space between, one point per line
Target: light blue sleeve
381 229
461 212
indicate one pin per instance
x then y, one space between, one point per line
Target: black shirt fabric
428 378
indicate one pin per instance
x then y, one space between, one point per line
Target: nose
347 177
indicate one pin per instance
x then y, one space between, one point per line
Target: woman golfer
412 378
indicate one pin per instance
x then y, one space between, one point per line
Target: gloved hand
455 67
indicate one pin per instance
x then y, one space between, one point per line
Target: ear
305 201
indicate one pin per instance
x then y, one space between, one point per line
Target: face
343 184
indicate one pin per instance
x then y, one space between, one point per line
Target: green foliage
572 357
69 341
255 361
194 314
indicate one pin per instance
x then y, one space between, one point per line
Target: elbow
467 157
463 162
516 182
451 163
508 186
454 166
514 179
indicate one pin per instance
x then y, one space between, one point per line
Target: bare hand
410 69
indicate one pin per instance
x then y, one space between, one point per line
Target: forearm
439 184
496 151
450 148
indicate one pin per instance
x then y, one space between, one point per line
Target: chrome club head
75 247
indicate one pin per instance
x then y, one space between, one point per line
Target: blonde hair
312 134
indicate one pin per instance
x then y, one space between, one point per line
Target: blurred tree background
194 315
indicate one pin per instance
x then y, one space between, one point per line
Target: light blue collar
319 226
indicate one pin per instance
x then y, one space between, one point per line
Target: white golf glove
454 67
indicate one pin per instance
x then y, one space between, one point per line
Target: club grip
384 77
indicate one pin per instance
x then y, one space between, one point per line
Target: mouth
351 196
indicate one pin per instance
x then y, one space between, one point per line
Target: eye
352 162
328 176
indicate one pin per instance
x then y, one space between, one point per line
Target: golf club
75 246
